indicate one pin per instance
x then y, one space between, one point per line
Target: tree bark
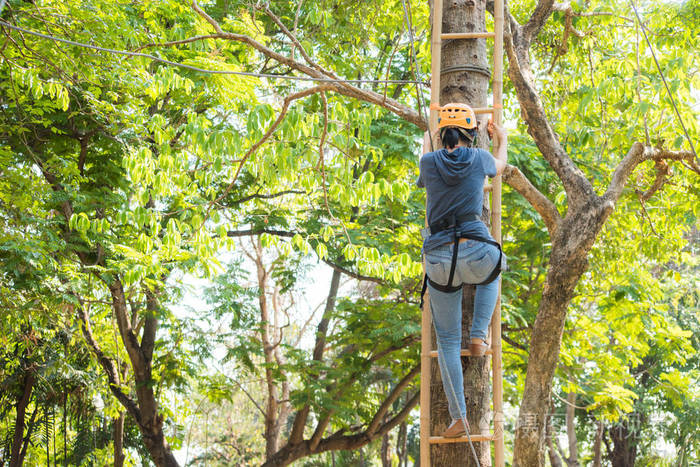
572 459
118 438
271 432
150 423
624 450
401 445
567 264
386 450
597 451
554 457
339 441
297 433
464 77
16 457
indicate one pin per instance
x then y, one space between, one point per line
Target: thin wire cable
202 70
668 91
416 71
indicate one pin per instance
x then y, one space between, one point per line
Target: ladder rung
461 439
463 352
483 110
467 35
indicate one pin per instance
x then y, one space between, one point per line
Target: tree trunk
271 432
464 78
21 410
118 437
554 458
386 451
624 446
28 437
546 338
146 415
597 451
572 460
401 447
570 245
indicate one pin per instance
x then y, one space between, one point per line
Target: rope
454 397
668 91
202 70
475 68
416 70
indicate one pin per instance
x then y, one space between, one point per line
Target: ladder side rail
497 357
426 322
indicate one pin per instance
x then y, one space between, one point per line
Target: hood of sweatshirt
453 166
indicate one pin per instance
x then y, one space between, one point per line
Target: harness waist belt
452 222
447 223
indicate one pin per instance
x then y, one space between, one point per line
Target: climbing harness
453 222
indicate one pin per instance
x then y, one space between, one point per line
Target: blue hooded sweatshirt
454 182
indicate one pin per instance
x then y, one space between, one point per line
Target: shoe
478 349
455 430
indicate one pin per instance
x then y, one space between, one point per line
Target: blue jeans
475 261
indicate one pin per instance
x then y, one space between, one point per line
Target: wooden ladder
427 354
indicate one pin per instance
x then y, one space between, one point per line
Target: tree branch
346 89
269 132
251 232
354 275
515 178
151 325
360 439
637 154
268 196
568 30
662 171
321 333
289 234
539 17
554 456
378 416
391 398
566 6
138 360
571 428
244 390
296 42
514 343
108 365
320 429
180 42
577 186
208 18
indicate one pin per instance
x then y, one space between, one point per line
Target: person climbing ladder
457 245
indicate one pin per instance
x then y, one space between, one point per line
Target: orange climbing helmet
455 114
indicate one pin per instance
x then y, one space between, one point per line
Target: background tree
122 177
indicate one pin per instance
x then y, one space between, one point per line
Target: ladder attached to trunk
427 353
